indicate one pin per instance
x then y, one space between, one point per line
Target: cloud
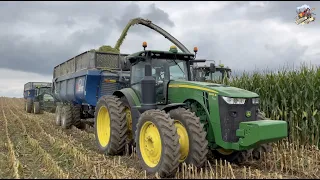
244 42
157 15
45 34
36 36
12 82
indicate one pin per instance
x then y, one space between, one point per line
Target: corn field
292 96
32 147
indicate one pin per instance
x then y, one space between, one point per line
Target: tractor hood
219 89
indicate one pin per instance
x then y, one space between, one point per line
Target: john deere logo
248 114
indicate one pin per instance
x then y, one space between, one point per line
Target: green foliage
292 96
105 48
122 37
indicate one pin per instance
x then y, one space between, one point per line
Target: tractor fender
134 103
130 95
171 106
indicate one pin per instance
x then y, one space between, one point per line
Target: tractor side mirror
212 68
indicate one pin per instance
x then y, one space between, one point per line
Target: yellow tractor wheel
193 142
157 143
110 125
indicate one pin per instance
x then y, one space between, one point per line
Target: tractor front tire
66 117
29 105
157 143
76 112
264 148
36 108
110 125
58 115
231 156
239 157
193 142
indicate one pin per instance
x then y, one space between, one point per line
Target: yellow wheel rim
103 126
225 151
150 144
129 122
183 140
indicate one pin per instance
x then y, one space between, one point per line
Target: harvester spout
150 25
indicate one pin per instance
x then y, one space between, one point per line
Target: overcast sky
36 36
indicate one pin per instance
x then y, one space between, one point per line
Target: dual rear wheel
67 116
32 106
163 140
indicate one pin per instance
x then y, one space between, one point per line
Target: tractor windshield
163 70
44 90
216 76
169 69
206 75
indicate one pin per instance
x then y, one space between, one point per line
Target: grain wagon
79 82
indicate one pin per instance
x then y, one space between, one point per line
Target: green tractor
210 73
171 119
38 97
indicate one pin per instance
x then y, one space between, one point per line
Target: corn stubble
291 96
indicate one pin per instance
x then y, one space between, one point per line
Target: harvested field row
36 148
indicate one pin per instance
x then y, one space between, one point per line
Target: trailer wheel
29 105
110 125
58 115
36 107
66 117
157 143
76 112
193 142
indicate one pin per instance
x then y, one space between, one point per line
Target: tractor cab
162 66
42 90
211 73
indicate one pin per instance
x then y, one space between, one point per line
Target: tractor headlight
255 100
230 100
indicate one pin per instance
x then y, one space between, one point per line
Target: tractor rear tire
130 140
29 105
66 117
36 108
193 142
110 125
76 112
157 143
58 115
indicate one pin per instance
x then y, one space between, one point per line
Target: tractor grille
231 115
